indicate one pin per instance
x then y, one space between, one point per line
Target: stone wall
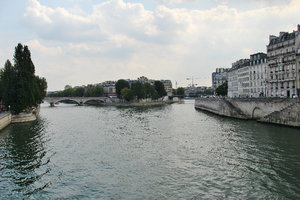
26 117
5 120
271 110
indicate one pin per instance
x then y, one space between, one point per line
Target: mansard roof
284 37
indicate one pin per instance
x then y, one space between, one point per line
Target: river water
165 152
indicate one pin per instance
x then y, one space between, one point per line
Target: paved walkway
3 114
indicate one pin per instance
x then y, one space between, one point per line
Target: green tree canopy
127 94
139 90
150 91
78 91
222 90
95 91
160 88
120 85
21 88
8 88
180 91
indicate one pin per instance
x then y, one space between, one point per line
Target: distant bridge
77 100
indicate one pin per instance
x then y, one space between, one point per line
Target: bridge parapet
77 100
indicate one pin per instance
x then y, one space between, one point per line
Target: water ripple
169 152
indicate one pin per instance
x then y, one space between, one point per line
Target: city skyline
79 42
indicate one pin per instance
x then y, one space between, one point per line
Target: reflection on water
165 152
23 149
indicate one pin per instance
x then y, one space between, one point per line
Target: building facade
219 77
109 87
258 75
233 83
238 79
168 86
283 54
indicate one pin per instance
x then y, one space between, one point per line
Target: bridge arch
67 99
76 100
257 113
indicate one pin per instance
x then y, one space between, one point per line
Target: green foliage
222 90
180 91
21 89
96 91
127 94
174 91
8 78
120 85
139 90
69 92
78 92
150 91
160 88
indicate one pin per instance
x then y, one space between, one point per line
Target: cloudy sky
79 42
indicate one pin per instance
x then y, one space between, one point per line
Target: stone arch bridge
77 100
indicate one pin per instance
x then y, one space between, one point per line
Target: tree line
139 90
94 91
179 91
20 88
124 90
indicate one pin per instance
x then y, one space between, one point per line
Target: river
165 152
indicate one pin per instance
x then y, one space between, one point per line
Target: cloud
125 40
169 2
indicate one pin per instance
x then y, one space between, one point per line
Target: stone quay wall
269 110
5 120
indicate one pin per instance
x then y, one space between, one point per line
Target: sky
80 42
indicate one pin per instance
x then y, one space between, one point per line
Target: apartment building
219 77
238 79
258 74
283 54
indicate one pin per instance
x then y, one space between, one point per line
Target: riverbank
7 118
268 110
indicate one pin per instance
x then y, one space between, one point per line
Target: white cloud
169 2
125 40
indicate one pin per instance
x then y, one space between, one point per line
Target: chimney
281 34
298 27
271 37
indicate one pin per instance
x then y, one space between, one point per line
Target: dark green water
170 152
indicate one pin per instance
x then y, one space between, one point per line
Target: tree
150 91
78 91
180 91
40 89
21 88
8 78
139 90
127 94
95 91
160 88
69 92
120 85
222 89
174 91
